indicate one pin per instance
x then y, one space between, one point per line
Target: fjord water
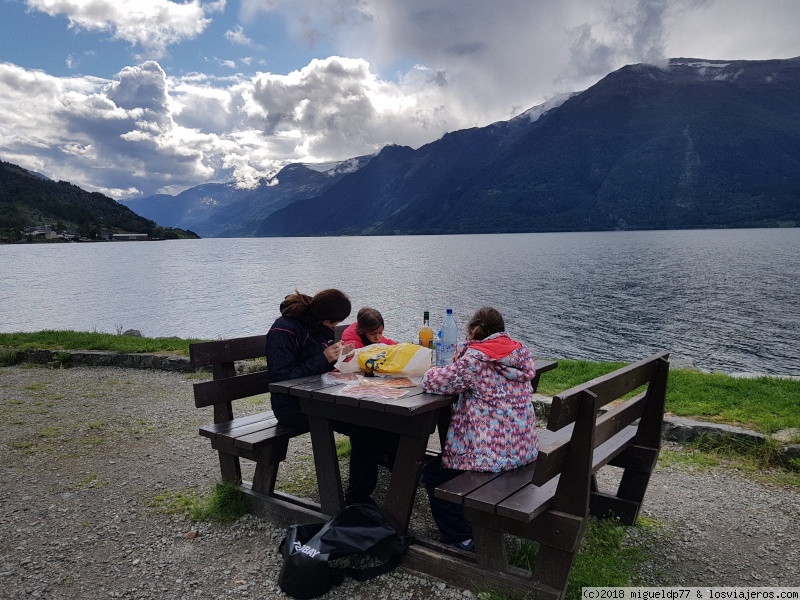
718 300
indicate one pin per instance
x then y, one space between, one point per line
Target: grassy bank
765 404
82 340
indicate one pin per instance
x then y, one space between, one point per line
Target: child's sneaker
466 545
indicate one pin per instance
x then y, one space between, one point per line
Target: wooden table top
416 401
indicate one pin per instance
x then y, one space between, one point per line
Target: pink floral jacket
493 426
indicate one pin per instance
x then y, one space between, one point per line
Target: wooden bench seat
258 437
549 501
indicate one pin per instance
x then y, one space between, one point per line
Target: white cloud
151 24
237 36
426 67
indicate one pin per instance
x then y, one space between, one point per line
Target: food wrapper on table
383 359
368 390
334 377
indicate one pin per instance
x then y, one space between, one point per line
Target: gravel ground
85 451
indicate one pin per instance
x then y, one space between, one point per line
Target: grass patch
22 445
688 458
300 481
756 460
253 366
259 400
767 404
93 441
36 387
50 432
606 557
80 340
764 404
343 447
225 502
8 357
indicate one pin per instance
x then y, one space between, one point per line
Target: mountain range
693 143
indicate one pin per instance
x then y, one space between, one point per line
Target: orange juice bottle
426 333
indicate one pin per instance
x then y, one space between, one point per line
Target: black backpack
358 531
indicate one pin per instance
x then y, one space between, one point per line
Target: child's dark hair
327 305
368 320
485 322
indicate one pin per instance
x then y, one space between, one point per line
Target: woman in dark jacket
300 343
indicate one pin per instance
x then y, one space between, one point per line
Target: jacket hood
512 360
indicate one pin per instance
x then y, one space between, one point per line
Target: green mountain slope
28 200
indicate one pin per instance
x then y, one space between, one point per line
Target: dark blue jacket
295 349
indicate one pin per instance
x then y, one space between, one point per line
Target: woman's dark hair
368 320
485 322
327 305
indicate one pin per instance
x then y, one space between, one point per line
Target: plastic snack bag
398 359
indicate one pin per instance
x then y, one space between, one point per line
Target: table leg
326 464
405 475
443 424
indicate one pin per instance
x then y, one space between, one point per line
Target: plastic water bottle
449 337
437 351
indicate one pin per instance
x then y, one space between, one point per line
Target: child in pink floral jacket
493 426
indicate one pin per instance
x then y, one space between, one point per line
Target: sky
135 97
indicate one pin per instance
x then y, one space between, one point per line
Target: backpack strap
404 541
390 565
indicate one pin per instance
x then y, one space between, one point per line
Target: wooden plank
283 509
203 354
554 528
609 449
259 439
208 393
551 460
415 403
490 547
609 387
542 366
488 496
529 502
604 506
338 330
254 427
302 388
618 418
461 486
213 429
459 571
572 494
636 458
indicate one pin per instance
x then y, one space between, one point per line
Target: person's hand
333 351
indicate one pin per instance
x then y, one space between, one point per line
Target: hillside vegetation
28 200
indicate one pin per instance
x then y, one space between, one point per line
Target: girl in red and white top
368 329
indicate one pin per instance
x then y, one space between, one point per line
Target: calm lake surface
718 300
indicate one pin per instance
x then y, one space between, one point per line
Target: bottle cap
426 315
449 311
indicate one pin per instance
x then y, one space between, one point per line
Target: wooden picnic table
413 416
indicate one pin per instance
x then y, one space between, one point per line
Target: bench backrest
596 440
338 330
227 385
